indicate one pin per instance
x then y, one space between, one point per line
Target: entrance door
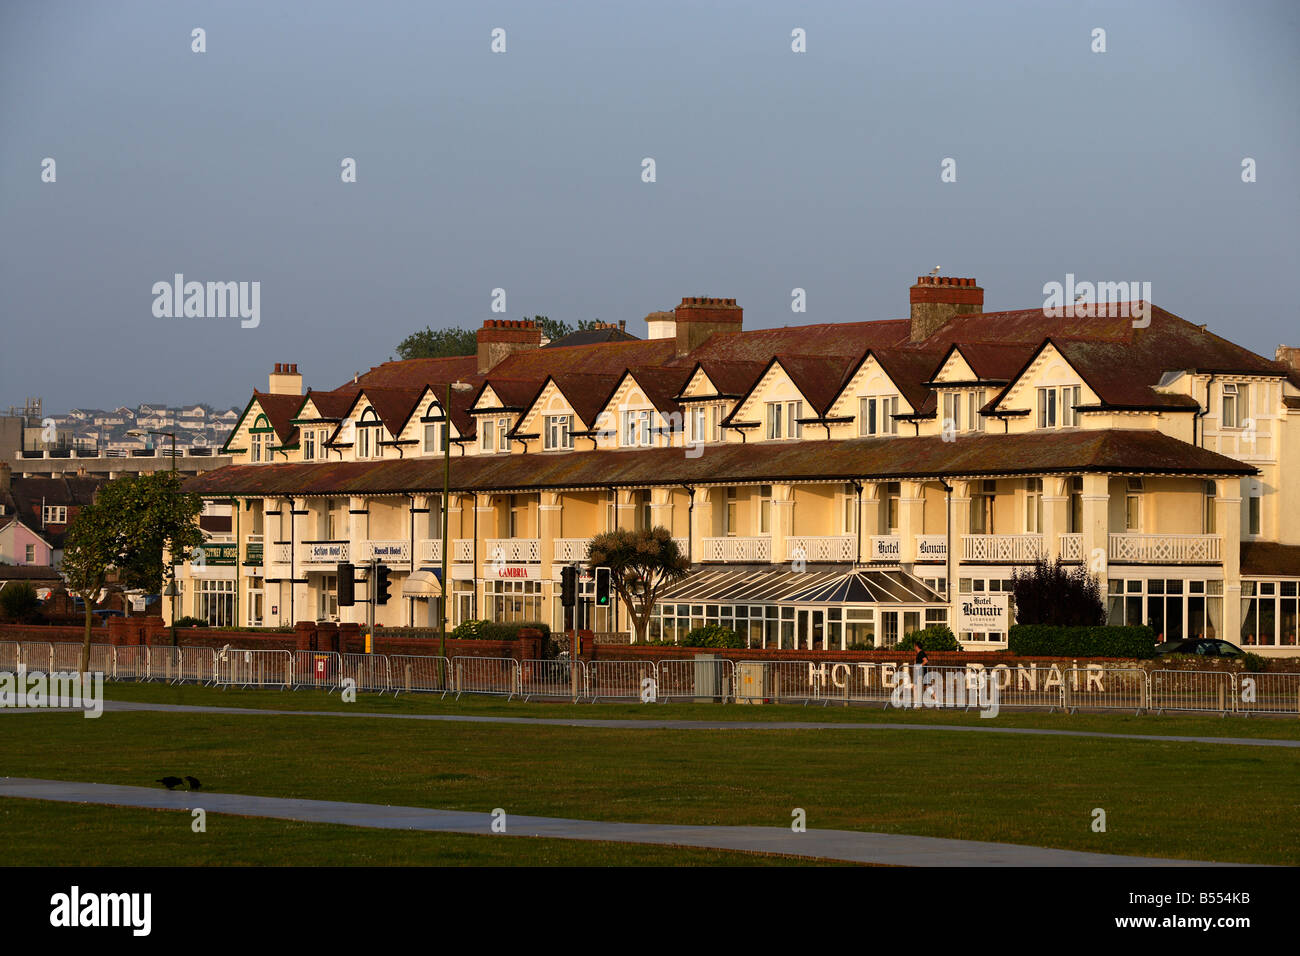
889 628
812 628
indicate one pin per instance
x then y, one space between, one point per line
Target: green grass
61 834
1189 800
1118 722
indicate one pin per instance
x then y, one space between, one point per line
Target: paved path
851 845
670 724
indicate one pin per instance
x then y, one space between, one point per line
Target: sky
523 170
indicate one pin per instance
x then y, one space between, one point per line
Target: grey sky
522 170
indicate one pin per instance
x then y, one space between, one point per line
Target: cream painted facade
1166 546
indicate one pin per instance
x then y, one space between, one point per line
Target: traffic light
568 586
381 584
347 584
602 587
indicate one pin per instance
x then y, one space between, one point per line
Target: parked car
103 614
1206 647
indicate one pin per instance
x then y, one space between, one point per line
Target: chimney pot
936 300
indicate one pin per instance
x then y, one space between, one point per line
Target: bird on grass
171 783
193 783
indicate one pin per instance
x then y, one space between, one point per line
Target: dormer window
635 429
962 410
783 420
1056 406
876 415
367 431
558 435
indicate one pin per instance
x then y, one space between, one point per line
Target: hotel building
832 485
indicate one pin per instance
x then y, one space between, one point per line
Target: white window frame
558 432
54 514
1133 492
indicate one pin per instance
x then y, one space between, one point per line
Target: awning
421 584
782 586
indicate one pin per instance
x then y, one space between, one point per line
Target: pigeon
193 783
171 783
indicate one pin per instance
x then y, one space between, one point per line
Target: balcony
1072 548
737 549
1164 548
570 550
1002 548
836 547
512 550
429 551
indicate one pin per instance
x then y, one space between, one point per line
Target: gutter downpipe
948 567
1201 413
857 487
690 523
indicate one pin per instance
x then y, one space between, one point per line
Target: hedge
1044 640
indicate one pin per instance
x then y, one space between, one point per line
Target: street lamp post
446 490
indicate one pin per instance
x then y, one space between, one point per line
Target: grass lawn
1198 801
1119 722
61 834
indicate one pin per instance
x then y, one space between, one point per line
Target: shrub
1102 641
192 622
936 637
713 635
19 603
1253 662
497 631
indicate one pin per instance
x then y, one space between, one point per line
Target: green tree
641 564
126 531
557 328
438 343
1052 593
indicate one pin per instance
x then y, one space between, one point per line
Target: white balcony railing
280 553
429 551
931 547
1009 548
836 547
392 552
571 549
1164 548
1071 547
462 550
737 549
513 550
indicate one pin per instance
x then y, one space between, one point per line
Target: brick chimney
285 380
500 338
698 317
937 299
1288 355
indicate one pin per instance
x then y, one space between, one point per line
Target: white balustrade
1165 548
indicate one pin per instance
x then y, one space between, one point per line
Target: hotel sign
325 552
253 554
884 548
397 552
216 555
515 572
931 549
982 613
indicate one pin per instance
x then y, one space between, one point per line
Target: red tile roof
1031 453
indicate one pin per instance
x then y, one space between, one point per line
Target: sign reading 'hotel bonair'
884 548
982 613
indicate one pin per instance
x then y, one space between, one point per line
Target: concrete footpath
121 706
889 849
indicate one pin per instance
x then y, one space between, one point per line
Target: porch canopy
783 586
422 584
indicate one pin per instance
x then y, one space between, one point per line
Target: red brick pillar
349 638
327 636
119 629
528 644
305 635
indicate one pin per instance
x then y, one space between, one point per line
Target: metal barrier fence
318 669
37 656
1106 688
1090 687
255 668
555 678
131 662
1202 691
701 680
1267 694
622 680
368 671
486 675
198 665
409 673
